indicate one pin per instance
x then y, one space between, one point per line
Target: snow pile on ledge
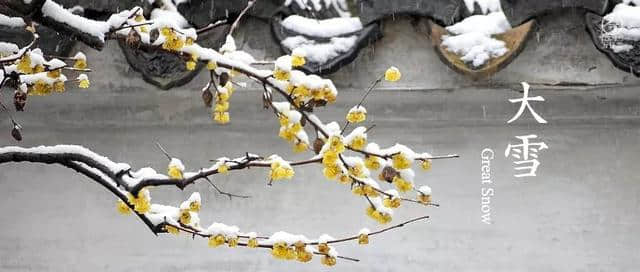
11 21
622 24
321 52
472 38
326 28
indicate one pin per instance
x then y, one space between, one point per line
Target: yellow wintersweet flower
252 243
38 69
400 161
426 165
279 172
80 63
191 65
221 117
423 198
139 18
83 81
215 241
371 162
141 203
232 242
393 202
363 239
329 158
358 142
279 250
323 248
401 184
54 73
331 172
328 260
329 95
166 31
221 106
358 190
41 88
297 57
195 206
280 74
171 229
174 172
211 65
185 217
188 41
301 91
380 217
335 144
357 170
24 64
356 116
317 94
344 179
283 120
223 169
299 147
58 86
392 74
303 256
123 208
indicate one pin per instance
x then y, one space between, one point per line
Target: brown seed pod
133 39
15 132
317 145
224 78
19 100
388 173
207 97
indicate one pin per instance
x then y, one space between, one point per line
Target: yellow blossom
252 243
401 184
223 169
301 91
221 106
279 250
393 202
400 161
233 242
38 69
329 95
140 204
328 260
80 64
174 172
283 120
172 229
426 165
212 65
363 239
356 116
297 60
335 144
84 83
303 256
221 117
392 74
317 94
194 206
358 142
123 208
54 73
344 179
139 18
215 241
426 199
371 162
329 158
185 217
24 64
166 31
279 172
331 172
380 217
188 41
191 65
280 74
144 29
299 147
58 86
323 248
357 171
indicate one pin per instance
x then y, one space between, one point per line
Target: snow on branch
381 176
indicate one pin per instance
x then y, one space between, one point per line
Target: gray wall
579 214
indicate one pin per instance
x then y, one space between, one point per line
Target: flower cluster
221 108
291 127
38 76
280 169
